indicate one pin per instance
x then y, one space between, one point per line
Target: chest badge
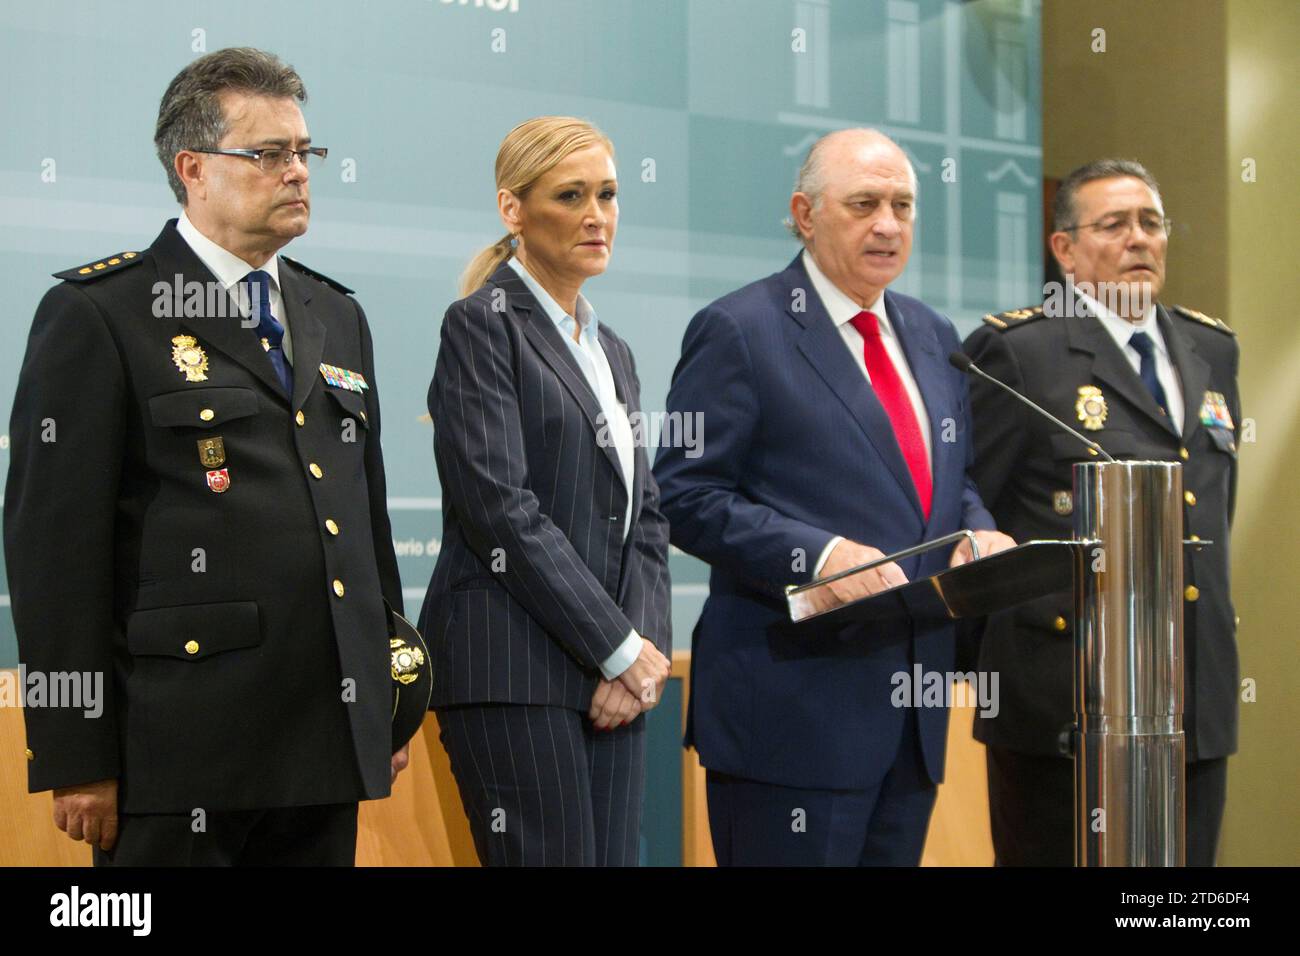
1090 406
343 378
219 481
1214 411
1063 502
190 358
212 452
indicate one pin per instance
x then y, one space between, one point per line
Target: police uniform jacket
1023 470
231 593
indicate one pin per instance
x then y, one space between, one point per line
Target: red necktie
889 389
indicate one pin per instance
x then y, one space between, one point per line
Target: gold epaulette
1203 319
99 267
1007 320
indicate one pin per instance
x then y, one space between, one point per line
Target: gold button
1092 451
1196 537
207 414
315 470
191 647
1189 497
1060 624
363 416
83 271
30 755
1191 593
114 261
331 526
338 587
1182 453
300 418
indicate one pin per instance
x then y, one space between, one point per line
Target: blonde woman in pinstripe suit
548 612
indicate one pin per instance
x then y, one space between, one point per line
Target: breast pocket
1223 440
202 407
354 422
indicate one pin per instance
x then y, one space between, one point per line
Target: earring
514 241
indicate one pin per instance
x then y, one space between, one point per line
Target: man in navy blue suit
834 432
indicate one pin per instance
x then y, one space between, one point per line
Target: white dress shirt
842 310
1122 330
230 270
591 358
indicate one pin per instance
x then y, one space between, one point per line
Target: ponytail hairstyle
529 152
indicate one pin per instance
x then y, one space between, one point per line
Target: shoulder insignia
333 283
1203 319
99 267
1007 320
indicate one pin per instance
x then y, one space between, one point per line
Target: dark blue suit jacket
797 449
536 583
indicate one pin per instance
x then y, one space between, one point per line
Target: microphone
962 363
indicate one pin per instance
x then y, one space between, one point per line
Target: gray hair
190 115
811 178
1063 207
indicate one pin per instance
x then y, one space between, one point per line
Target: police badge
1091 407
190 358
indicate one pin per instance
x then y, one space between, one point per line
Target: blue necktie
269 331
1147 349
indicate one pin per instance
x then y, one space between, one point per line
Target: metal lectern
1125 565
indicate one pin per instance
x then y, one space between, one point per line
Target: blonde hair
529 152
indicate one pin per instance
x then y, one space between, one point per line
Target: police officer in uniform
1147 383
195 510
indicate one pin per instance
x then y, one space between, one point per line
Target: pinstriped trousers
542 787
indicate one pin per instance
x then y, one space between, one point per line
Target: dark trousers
285 836
763 824
1031 808
542 787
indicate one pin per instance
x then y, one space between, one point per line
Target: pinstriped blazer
535 583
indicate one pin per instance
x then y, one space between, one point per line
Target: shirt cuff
623 657
826 553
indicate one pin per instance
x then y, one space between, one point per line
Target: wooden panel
407 829
28 836
455 821
697 845
959 832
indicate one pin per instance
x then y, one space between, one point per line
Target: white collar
227 267
586 317
1121 329
839 306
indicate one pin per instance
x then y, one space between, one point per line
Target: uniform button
1191 592
1182 453
30 755
1060 624
363 416
300 418
1092 451
1196 537
1189 498
338 587
191 647
315 470
207 414
331 526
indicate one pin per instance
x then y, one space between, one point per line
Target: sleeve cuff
623 657
826 553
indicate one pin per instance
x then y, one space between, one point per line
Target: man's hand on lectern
849 554
990 542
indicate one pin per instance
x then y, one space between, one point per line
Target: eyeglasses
275 160
1116 226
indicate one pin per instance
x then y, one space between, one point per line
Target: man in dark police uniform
195 511
1147 383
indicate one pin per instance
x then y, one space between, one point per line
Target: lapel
1086 334
306 331
619 370
227 334
823 346
1193 371
549 343
930 370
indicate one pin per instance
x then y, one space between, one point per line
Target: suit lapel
228 334
306 331
1193 371
1087 334
549 343
824 348
618 369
